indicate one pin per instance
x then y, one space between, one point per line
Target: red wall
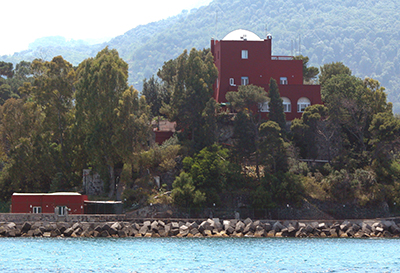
259 68
24 202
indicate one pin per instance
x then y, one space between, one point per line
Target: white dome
240 35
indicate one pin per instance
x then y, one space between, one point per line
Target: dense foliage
363 33
56 119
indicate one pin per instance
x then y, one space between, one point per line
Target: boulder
394 229
184 228
174 225
240 227
216 224
86 233
154 226
116 226
345 225
144 229
379 229
230 230
277 226
259 232
78 231
366 227
25 227
11 233
106 227
291 230
98 228
207 232
162 232
355 227
175 231
309 229
386 234
37 232
104 234
247 229
55 233
122 233
193 225
322 226
194 231
75 226
68 232
11 225
3 231
247 221
267 227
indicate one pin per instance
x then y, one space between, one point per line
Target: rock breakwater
205 228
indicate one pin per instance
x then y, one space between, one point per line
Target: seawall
215 227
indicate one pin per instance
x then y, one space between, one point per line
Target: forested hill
363 34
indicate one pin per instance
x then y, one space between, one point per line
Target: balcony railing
282 58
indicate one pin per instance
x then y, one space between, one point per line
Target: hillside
362 34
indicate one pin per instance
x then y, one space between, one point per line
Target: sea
199 255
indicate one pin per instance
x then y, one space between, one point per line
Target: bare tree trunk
112 181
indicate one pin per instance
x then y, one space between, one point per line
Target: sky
24 21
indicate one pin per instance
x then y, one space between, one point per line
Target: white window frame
245 80
61 210
245 54
283 81
302 104
232 82
287 105
37 209
264 107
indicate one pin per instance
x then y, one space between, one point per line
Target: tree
276 111
99 88
332 69
132 133
248 100
189 80
25 153
155 95
272 148
185 194
313 130
309 73
208 171
6 69
52 91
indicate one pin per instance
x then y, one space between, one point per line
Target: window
287 105
245 80
302 104
61 210
264 107
232 81
283 80
37 209
245 54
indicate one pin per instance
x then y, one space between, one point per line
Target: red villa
242 58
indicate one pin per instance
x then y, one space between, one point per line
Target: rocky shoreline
205 228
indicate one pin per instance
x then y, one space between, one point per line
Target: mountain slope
363 34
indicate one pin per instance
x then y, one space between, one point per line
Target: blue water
199 255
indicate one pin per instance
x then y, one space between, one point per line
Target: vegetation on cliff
57 119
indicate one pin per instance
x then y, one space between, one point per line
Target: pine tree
276 111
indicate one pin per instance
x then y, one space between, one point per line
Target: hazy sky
26 20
